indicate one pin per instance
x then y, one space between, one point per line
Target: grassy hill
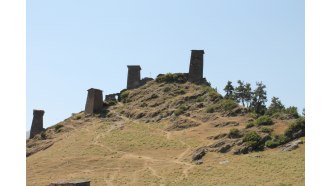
151 137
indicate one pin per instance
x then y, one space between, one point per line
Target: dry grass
120 149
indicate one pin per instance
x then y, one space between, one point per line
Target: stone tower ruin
37 123
196 66
94 101
134 76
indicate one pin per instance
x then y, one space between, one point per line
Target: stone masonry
134 76
71 183
37 123
196 66
94 101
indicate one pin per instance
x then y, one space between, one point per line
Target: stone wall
37 123
134 76
71 183
196 66
94 101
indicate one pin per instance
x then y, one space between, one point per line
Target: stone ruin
37 123
71 183
196 66
134 76
94 101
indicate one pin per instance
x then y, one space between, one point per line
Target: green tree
247 94
275 106
229 89
239 92
259 99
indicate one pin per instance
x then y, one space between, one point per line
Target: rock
217 144
198 162
243 150
199 153
265 138
297 134
225 148
292 145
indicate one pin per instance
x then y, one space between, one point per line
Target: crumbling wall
196 66
37 123
94 101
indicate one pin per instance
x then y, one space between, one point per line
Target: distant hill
170 133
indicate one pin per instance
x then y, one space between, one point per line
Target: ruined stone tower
37 123
134 76
196 66
94 101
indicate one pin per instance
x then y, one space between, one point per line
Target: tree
259 99
239 92
247 94
229 89
275 106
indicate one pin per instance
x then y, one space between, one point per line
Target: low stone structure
71 183
134 76
94 101
37 123
196 66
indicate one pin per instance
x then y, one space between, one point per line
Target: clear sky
79 44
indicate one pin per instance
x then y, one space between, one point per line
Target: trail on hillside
148 161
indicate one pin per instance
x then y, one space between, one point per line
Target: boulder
199 153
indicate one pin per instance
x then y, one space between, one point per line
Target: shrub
124 95
249 125
234 133
263 120
167 89
112 102
76 117
292 111
210 109
227 104
43 135
143 105
296 126
180 91
276 140
154 96
180 110
252 139
266 129
58 127
213 94
200 99
171 78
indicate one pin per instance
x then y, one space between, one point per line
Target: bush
252 139
167 89
266 129
210 109
213 94
200 99
292 111
295 127
249 125
263 120
234 133
58 127
43 135
154 96
124 95
227 104
276 140
180 110
180 91
171 78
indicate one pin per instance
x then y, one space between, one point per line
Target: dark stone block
37 123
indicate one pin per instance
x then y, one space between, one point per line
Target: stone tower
196 66
37 123
94 101
134 76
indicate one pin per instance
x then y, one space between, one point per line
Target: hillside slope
151 137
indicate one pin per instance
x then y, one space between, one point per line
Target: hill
169 132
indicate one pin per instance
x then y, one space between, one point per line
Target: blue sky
75 45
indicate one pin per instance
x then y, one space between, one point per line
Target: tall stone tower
94 101
134 76
196 66
37 123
